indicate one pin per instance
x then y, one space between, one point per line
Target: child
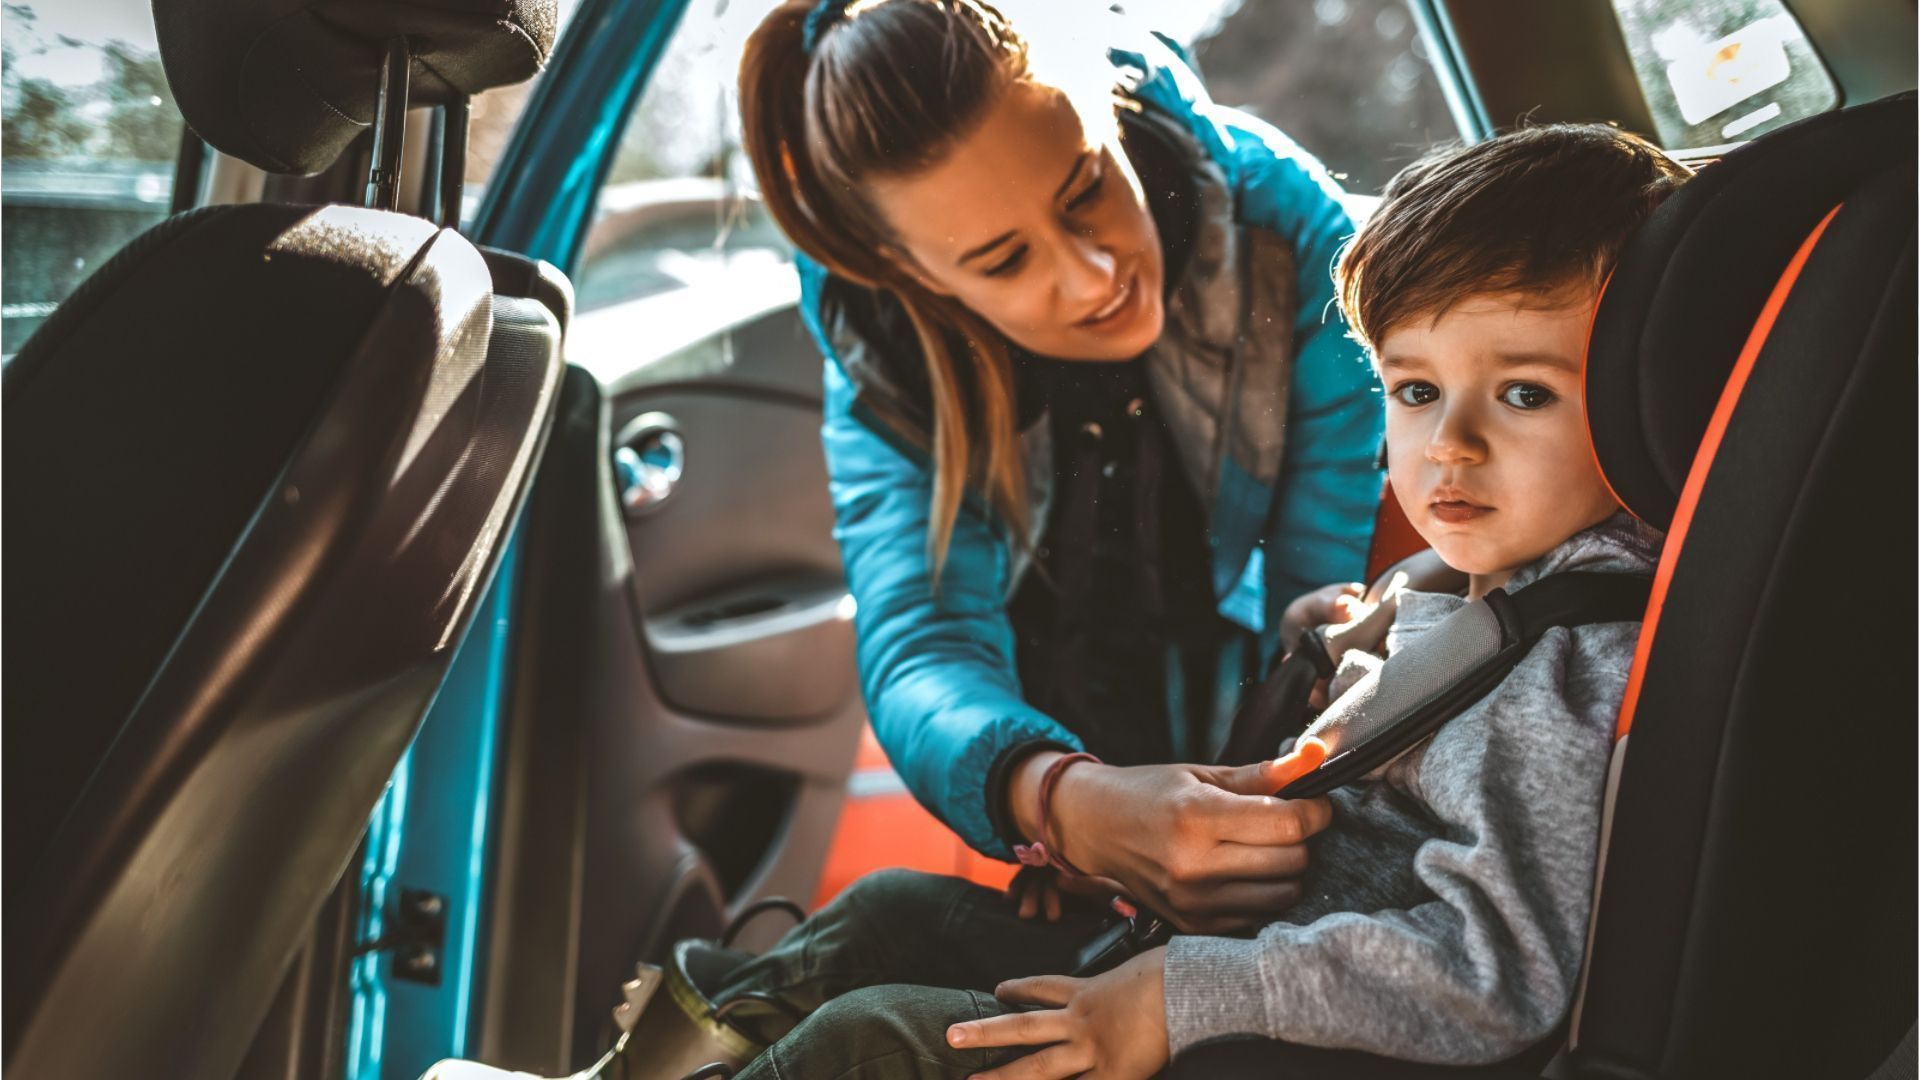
1444 909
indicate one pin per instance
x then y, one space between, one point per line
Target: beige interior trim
231 181
1599 874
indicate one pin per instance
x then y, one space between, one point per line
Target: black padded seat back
1756 913
516 275
258 473
1684 295
144 425
287 84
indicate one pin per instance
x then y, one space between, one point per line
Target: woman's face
1038 228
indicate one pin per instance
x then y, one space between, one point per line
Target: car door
686 706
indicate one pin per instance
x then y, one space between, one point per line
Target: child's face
1486 432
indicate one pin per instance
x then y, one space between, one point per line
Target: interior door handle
775 651
649 459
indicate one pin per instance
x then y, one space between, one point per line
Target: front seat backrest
258 471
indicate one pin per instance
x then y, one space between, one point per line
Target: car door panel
690 692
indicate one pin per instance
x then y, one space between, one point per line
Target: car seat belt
1423 685
1436 677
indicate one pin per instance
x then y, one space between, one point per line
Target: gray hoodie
1445 909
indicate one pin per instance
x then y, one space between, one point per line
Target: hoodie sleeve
936 663
1486 965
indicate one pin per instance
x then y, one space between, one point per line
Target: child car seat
1750 389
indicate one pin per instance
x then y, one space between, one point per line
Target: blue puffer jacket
938 667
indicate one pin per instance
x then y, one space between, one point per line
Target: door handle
650 458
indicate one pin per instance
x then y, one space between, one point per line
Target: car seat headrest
287 84
1692 281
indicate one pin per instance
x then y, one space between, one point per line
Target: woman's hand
1207 846
1109 1027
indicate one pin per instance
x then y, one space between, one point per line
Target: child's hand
1109 1027
1324 606
1366 624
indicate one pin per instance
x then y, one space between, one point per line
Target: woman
1091 419
1090 435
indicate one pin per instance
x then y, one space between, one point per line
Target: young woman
1092 420
1092 424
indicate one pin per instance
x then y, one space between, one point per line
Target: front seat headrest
1691 283
287 84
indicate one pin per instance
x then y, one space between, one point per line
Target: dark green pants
882 971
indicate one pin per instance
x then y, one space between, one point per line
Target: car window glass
1721 71
494 113
680 237
89 135
1349 80
674 213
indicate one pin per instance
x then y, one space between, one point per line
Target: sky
38 51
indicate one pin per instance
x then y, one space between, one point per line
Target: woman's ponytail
882 91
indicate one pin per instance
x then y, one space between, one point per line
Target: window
494 114
680 246
676 215
1349 80
1722 71
680 238
88 142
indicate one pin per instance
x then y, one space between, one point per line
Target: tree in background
40 120
142 120
128 114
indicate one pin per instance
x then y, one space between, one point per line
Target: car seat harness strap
1397 705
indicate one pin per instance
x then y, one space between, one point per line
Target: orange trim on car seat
1703 463
1307 755
1394 537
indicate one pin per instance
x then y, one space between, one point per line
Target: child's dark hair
1536 210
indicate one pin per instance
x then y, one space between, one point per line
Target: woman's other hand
1207 846
1109 1027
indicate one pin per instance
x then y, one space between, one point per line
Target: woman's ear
904 262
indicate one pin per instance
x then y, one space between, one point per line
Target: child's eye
1414 392
1527 396
1008 264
